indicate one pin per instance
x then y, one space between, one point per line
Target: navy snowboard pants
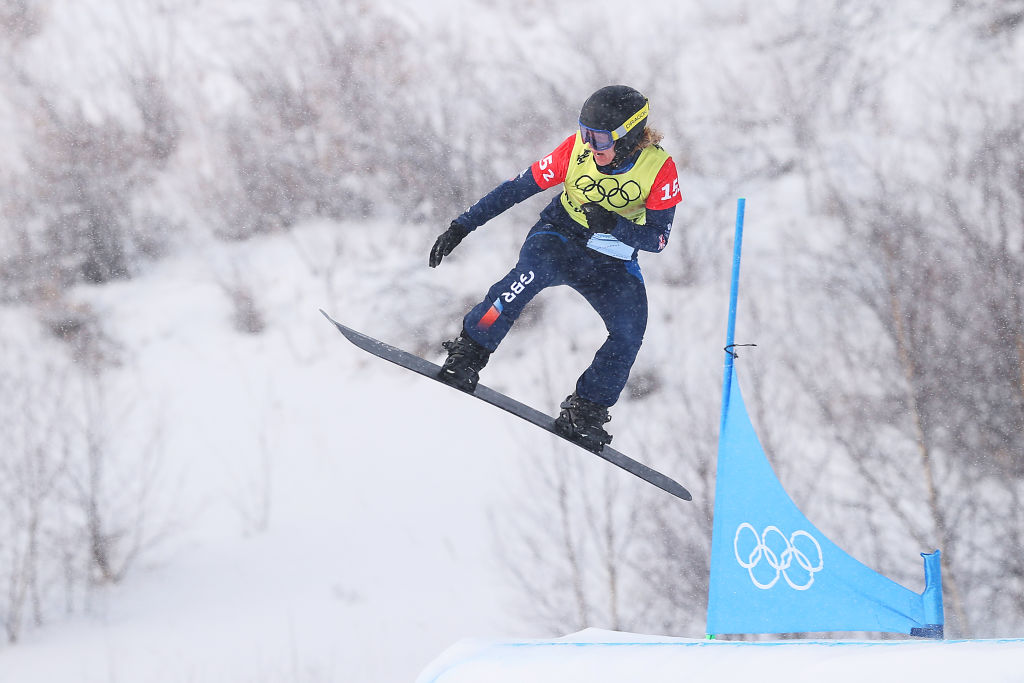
615 289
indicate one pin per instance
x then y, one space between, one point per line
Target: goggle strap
632 121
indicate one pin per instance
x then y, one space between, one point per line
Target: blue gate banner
772 571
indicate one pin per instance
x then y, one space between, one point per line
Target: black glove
446 241
599 218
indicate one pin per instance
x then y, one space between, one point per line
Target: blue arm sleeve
652 236
499 199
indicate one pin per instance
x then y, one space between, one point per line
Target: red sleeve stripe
665 190
551 170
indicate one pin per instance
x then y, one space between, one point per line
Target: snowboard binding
466 359
582 421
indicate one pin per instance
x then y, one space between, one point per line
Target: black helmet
612 114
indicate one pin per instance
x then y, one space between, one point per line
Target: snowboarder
619 191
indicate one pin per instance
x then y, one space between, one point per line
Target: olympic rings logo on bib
609 189
779 553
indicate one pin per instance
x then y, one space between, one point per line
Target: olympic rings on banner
781 563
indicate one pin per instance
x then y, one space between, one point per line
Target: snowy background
201 480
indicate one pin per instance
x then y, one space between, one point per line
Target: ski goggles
600 140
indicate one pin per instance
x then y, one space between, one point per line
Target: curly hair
650 137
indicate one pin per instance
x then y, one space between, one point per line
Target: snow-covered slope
597 656
321 527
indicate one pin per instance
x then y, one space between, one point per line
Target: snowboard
496 398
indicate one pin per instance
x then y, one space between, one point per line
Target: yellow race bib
624 193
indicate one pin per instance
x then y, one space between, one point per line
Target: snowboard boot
582 421
465 360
